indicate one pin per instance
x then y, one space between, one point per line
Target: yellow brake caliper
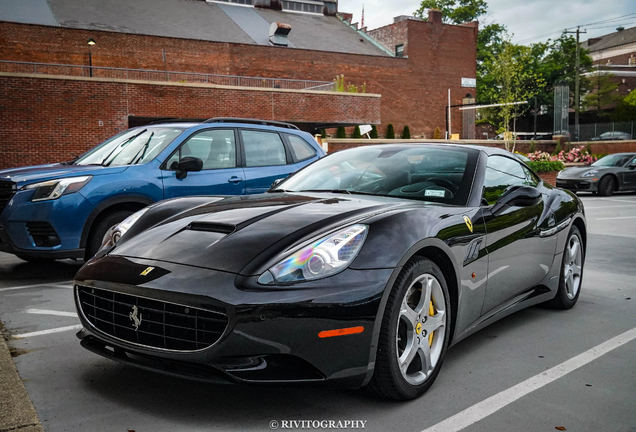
431 312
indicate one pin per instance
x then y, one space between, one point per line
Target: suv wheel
96 237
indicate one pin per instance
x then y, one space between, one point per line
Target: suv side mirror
188 164
518 196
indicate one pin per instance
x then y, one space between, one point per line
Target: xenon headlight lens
115 233
53 189
590 173
322 258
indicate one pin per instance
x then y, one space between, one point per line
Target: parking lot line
609 207
494 403
49 331
50 312
56 285
620 217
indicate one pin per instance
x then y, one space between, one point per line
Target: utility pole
577 81
535 118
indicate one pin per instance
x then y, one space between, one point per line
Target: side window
215 147
263 149
501 173
531 179
302 150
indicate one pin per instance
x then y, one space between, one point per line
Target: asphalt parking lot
533 371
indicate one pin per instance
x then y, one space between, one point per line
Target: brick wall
392 35
47 120
414 90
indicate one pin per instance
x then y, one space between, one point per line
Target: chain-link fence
166 76
603 131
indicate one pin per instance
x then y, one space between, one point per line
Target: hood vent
212 227
278 33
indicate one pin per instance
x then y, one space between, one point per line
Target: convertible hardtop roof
488 150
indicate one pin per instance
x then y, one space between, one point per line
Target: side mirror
632 166
188 164
518 196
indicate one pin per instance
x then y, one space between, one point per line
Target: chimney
592 41
435 16
278 34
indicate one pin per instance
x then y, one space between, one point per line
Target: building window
632 61
243 2
299 6
399 50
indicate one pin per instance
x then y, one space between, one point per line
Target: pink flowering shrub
541 156
575 155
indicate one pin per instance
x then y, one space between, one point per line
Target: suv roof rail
251 121
175 120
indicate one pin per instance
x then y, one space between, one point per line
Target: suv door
265 159
518 257
221 173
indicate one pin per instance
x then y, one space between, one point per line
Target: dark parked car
615 172
360 269
612 136
63 210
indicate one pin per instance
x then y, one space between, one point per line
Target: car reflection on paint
359 270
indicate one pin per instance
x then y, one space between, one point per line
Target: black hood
240 234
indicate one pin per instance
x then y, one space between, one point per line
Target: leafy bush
533 147
437 134
374 132
390 132
558 148
323 133
406 133
546 166
356 132
341 133
576 155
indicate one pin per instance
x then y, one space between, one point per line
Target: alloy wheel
573 266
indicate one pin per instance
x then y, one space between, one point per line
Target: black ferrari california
360 269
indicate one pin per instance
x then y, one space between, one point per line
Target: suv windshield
427 173
615 160
131 147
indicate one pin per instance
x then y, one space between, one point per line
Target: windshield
615 160
426 172
131 147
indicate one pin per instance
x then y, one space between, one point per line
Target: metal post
577 78
535 118
90 62
450 124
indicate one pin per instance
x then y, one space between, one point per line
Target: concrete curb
16 409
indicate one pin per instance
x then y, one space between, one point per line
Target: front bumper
272 335
587 185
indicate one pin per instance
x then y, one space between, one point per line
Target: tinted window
302 150
502 173
216 148
531 179
263 149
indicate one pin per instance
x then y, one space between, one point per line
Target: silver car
605 176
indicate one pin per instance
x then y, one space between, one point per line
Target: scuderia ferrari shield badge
149 269
469 223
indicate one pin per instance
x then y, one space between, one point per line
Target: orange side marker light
340 332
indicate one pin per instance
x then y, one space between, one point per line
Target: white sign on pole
469 82
365 129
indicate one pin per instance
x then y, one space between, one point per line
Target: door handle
234 179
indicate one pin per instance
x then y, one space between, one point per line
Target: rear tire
571 275
98 231
415 332
607 186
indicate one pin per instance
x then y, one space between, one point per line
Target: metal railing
163 76
586 132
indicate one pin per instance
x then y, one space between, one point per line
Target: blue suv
64 210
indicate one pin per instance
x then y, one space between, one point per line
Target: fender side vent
212 227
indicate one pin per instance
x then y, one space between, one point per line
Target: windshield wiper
341 191
121 146
71 162
144 148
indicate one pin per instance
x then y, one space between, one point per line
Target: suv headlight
53 189
590 173
322 258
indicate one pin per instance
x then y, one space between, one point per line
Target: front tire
571 276
415 332
607 186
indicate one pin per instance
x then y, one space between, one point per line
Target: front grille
573 184
161 324
43 234
7 190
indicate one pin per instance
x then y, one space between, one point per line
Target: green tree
341 133
603 92
406 133
390 132
626 109
454 11
374 132
356 132
323 133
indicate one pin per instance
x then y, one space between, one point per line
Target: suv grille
161 324
43 234
7 190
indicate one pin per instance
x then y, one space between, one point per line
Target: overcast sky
529 20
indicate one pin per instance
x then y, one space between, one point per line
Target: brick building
194 59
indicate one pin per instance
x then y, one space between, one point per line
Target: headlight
53 189
323 257
590 173
114 234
